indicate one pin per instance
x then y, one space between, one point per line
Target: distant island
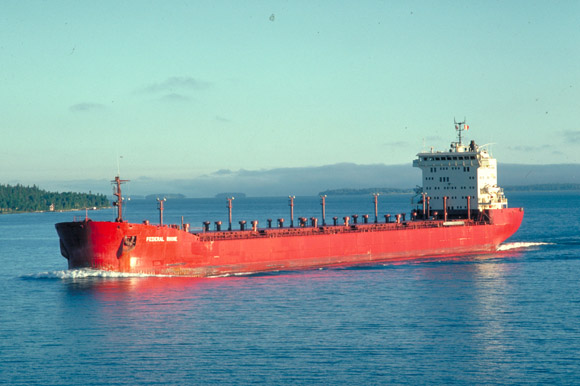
227 195
350 192
19 198
170 196
542 187
512 188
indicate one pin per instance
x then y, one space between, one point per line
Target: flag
466 127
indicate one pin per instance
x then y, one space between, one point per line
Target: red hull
167 250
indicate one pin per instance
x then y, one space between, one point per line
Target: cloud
308 181
175 83
396 144
222 172
530 148
175 97
86 107
221 119
299 180
571 136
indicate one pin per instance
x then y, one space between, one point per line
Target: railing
327 230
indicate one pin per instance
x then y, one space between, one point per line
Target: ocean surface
511 317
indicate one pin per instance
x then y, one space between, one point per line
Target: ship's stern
507 221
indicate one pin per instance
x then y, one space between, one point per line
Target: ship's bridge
463 171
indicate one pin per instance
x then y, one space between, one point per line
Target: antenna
460 127
119 165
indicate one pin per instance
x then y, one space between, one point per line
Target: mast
291 205
229 206
117 193
160 207
460 127
323 203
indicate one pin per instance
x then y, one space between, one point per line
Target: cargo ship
460 211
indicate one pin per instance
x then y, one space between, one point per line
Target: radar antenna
460 127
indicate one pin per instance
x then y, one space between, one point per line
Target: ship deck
330 229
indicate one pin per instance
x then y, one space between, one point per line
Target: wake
520 245
84 273
87 273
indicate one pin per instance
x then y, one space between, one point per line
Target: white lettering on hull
158 239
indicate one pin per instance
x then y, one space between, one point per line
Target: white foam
82 274
520 245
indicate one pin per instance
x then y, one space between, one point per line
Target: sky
182 89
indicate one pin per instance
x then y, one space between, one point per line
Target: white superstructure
458 173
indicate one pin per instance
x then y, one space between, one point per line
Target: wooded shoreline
24 199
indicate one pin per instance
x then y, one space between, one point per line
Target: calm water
512 317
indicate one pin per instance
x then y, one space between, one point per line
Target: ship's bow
89 244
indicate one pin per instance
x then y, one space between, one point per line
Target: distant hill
308 181
542 187
227 195
511 188
300 181
349 192
169 196
528 175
